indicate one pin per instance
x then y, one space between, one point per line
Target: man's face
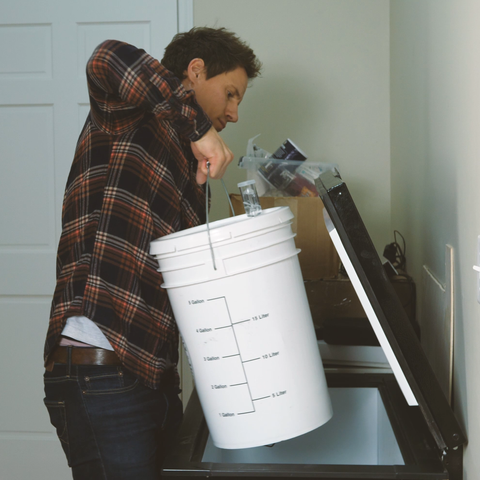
220 96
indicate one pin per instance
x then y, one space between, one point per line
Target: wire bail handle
206 211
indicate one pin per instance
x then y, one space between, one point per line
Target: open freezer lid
385 312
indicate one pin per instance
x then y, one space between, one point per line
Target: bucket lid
385 311
220 231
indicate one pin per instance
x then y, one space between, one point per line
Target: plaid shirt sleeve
132 180
125 82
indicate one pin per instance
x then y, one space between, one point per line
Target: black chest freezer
396 425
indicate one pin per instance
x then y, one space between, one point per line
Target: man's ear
195 68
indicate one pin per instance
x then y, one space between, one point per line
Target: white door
44 46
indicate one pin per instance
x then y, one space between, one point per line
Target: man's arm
125 82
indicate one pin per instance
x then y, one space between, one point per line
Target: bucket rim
220 230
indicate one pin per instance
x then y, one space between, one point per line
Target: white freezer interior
359 433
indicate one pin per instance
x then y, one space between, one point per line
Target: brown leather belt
83 356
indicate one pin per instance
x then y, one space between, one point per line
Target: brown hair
221 50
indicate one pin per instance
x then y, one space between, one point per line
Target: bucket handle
206 210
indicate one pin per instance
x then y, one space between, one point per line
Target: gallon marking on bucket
236 351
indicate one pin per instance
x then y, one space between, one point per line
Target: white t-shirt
84 330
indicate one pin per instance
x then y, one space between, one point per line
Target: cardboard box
318 257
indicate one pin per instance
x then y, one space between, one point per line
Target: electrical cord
395 253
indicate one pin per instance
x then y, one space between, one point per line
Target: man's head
217 65
222 51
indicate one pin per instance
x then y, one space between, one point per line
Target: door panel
43 105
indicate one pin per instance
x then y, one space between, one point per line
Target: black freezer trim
422 459
404 342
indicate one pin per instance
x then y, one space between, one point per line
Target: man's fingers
211 148
202 172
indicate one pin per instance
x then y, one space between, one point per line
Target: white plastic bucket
247 328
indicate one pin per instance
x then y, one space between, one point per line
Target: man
139 171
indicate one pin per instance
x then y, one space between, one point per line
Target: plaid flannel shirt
132 180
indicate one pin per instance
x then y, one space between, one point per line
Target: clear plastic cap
248 190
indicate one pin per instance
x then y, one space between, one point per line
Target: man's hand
211 148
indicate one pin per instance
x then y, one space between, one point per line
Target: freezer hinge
452 460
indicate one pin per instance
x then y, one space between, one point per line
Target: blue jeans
111 426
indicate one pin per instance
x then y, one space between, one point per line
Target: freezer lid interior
384 310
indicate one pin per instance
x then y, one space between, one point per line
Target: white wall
325 85
435 168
